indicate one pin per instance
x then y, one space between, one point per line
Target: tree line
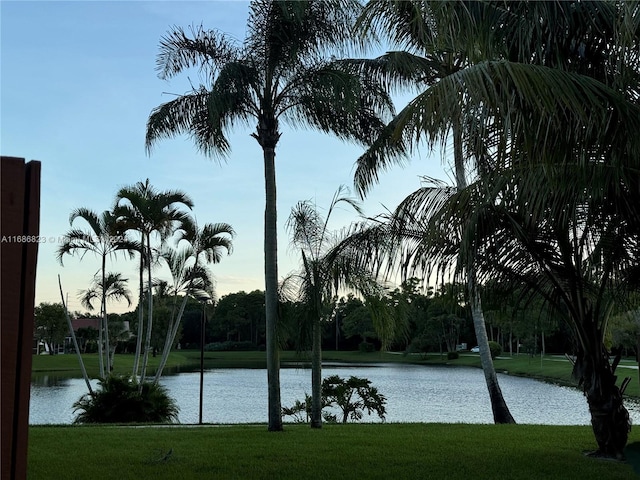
437 320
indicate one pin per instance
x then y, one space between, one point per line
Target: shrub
300 411
229 346
121 400
495 348
353 396
366 347
453 355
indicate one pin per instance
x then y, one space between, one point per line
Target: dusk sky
78 82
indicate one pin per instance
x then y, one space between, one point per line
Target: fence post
19 230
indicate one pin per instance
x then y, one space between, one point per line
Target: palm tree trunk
136 360
271 291
609 418
316 376
501 413
105 320
100 345
510 341
75 340
147 342
458 159
172 331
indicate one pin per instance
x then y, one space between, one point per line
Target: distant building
84 323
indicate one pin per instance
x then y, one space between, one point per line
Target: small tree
106 288
325 270
353 396
50 324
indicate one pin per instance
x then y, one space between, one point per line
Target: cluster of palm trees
141 222
538 102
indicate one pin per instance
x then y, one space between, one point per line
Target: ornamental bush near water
121 400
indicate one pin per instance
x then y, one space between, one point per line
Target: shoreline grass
371 451
550 368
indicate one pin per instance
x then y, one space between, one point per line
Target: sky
77 85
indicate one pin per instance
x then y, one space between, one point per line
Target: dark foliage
121 400
353 396
496 349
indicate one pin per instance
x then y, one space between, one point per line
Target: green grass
67 365
551 368
367 451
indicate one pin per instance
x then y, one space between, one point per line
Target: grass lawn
552 368
352 451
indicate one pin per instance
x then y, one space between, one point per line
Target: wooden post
19 230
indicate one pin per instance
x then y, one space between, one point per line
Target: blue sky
78 82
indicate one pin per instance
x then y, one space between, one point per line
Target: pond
414 394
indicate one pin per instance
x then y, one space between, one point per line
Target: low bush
496 349
121 400
453 355
366 347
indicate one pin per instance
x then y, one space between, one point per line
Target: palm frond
183 115
543 103
283 32
114 289
335 101
399 70
88 216
391 147
208 49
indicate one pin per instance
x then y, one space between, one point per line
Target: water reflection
414 394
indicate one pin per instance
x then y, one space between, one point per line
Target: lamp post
202 325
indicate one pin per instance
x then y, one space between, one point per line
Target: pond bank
550 368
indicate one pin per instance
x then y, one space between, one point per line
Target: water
414 394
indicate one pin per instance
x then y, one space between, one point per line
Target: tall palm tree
104 238
569 234
110 287
558 104
282 72
189 271
324 272
439 40
144 209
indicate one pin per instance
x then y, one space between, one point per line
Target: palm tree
110 286
440 39
148 211
281 72
105 238
575 246
190 277
550 122
323 273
